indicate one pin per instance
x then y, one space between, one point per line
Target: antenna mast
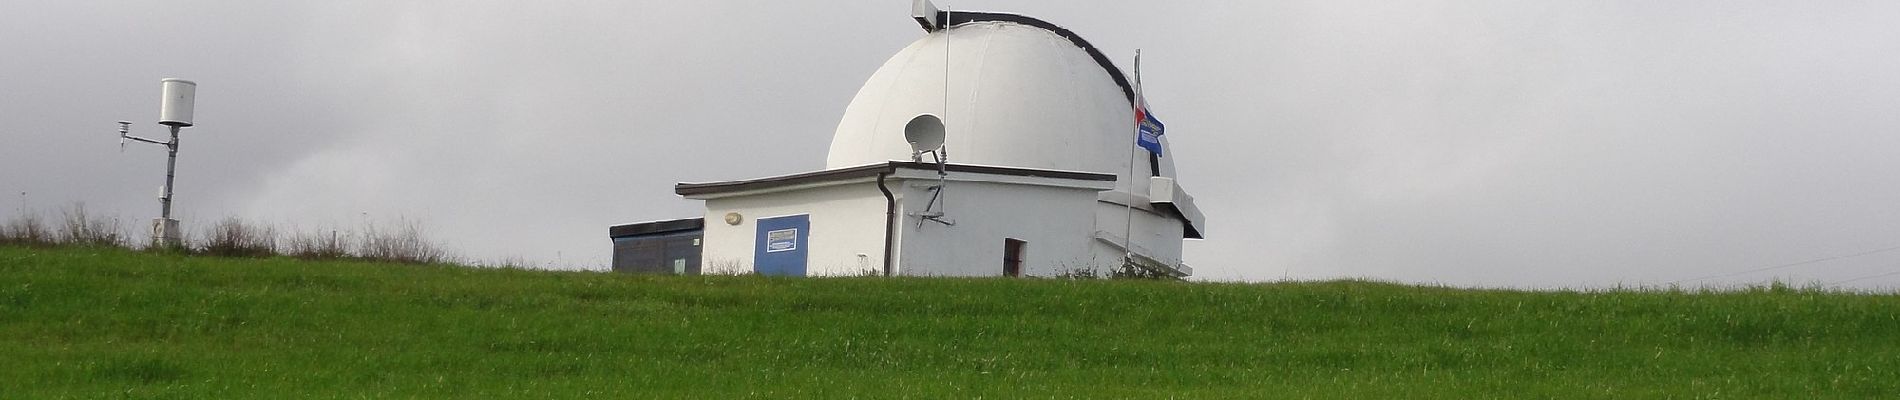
174 111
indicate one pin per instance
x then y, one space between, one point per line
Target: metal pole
171 168
1128 230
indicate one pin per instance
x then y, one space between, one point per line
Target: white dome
1019 96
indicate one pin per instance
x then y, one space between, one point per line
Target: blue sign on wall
782 245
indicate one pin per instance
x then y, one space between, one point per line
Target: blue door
782 245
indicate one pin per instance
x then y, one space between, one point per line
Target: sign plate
781 240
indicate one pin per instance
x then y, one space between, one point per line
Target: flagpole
1128 231
946 74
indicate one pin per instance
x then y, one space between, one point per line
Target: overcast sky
1469 143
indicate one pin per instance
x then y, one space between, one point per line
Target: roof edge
648 228
870 170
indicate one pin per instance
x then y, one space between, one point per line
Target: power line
1789 265
1864 278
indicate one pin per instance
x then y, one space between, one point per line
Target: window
1013 257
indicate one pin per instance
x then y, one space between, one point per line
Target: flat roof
870 170
648 228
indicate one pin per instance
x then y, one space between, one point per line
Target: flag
1149 130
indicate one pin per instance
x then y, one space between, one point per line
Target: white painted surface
1163 190
1055 221
177 101
1019 96
846 219
1055 216
1157 236
926 13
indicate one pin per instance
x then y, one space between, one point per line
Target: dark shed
663 247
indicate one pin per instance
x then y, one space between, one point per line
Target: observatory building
994 145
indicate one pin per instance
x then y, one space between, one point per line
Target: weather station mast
174 111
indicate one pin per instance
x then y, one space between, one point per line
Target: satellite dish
924 132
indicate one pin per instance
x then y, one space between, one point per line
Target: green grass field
109 323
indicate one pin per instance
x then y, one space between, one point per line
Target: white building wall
1057 222
1157 236
846 220
1057 218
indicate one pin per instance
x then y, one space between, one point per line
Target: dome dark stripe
963 17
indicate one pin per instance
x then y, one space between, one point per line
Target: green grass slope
107 323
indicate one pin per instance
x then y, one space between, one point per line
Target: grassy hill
99 323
